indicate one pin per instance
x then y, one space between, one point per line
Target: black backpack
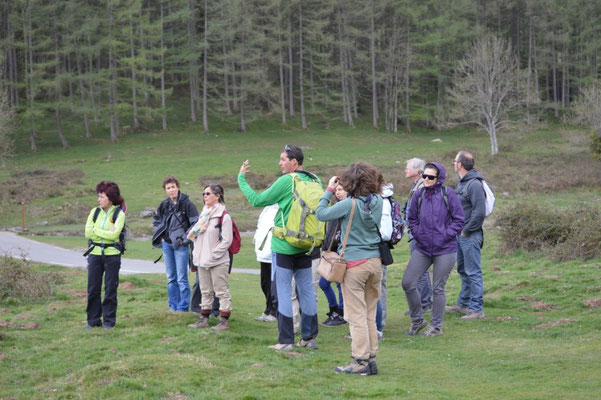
119 245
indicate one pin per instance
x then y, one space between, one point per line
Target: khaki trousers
361 291
215 281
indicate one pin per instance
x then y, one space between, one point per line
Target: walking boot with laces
223 325
203 322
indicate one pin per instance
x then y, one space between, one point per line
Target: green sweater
281 193
363 241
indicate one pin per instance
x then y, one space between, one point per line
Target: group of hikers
354 216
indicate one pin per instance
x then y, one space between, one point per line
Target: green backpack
302 229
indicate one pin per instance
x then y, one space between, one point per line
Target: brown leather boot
223 325
203 322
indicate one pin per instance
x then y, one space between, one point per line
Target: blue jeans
306 297
326 286
379 316
176 268
469 268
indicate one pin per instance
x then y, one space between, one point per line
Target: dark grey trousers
418 264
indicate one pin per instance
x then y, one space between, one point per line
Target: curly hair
170 179
361 179
111 189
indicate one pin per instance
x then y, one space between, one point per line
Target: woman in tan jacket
212 237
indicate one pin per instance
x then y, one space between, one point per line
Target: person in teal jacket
362 281
287 261
104 255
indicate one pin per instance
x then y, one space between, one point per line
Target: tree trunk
163 94
242 116
282 83
494 148
114 120
300 67
528 89
554 66
90 81
82 95
58 83
193 65
134 78
29 75
407 86
228 109
564 86
205 84
311 80
290 69
372 51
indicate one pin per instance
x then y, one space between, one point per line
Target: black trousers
105 312
266 288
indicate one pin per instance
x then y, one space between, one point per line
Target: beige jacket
209 251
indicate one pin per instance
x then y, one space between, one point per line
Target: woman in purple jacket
435 220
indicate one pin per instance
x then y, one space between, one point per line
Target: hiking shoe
380 335
108 327
357 367
223 325
415 328
309 344
282 347
431 332
427 309
456 309
203 322
373 367
473 315
266 318
334 319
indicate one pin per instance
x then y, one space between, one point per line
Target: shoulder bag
332 265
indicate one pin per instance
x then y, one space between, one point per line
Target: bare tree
587 110
488 86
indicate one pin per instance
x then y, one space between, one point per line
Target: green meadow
539 340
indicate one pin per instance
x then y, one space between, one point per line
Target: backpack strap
96 213
348 228
220 223
422 194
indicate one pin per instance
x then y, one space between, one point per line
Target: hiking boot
456 309
473 315
373 367
203 322
357 367
427 309
309 344
334 319
431 332
282 347
223 325
415 328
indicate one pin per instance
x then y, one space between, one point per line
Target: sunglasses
430 177
207 193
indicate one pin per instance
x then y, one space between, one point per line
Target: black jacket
172 221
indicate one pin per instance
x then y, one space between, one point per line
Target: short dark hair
361 179
294 153
170 179
432 166
466 159
217 191
111 190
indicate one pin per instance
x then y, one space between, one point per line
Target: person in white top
262 242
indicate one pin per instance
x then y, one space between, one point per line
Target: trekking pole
23 218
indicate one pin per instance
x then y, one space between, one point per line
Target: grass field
539 339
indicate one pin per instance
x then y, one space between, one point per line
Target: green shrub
596 145
563 234
19 281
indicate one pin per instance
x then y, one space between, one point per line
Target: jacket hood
442 174
182 197
365 206
472 174
387 190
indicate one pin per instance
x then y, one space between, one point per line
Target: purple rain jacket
435 233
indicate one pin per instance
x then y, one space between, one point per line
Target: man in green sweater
287 261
